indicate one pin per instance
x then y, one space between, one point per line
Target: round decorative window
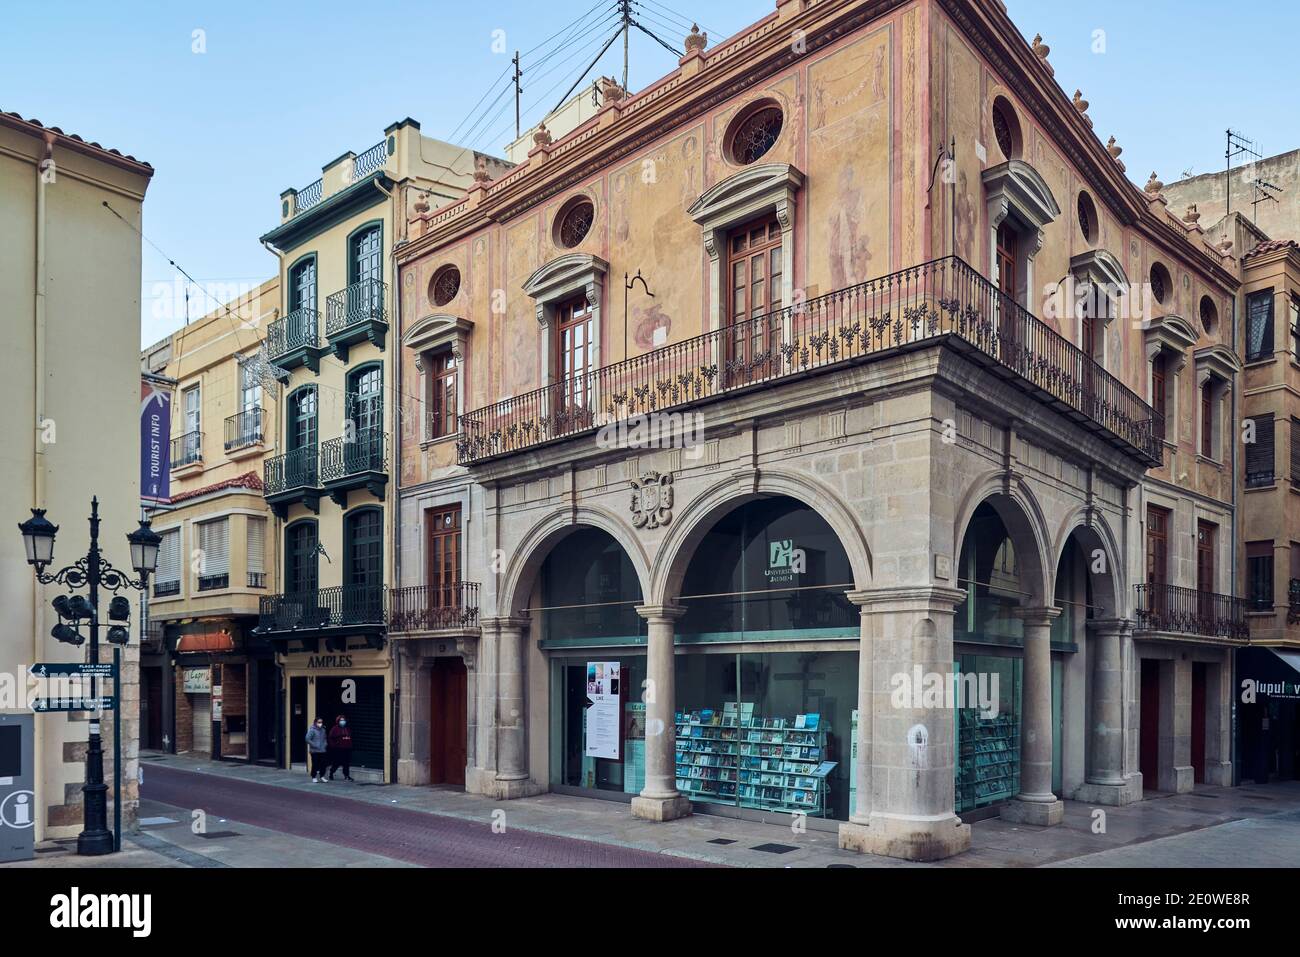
1209 315
1006 128
445 285
575 222
1087 218
1159 282
755 133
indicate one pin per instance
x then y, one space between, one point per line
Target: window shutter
1259 454
214 540
169 556
256 545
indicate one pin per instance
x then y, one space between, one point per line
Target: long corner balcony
1175 610
292 478
324 612
295 340
944 300
357 314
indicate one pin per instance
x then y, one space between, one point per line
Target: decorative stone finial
610 91
422 204
543 136
1041 49
1154 186
1114 149
1225 247
696 41
1193 214
1081 105
481 175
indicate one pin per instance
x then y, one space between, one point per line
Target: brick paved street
428 840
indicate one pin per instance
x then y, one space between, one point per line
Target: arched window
365 401
303 429
301 558
590 589
302 285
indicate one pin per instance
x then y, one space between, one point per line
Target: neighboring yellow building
329 482
70 269
207 685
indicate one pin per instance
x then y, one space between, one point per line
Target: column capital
661 612
928 598
505 624
1110 626
1041 615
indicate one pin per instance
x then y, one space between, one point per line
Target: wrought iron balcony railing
244 429
340 606
434 608
360 302
299 469
941 299
309 196
151 637
299 329
1187 611
366 452
187 449
371 161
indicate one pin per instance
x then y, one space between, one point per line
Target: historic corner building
328 482
209 685
849 447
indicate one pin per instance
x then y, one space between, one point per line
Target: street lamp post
91 572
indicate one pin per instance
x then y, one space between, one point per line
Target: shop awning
206 641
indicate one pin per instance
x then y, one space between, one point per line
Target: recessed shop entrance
1149 746
447 722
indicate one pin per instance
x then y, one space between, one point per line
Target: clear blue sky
284 87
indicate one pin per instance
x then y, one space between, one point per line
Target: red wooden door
448 722
1149 738
755 266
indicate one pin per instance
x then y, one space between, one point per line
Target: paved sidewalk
1254 825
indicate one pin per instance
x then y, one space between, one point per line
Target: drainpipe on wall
1236 505
38 459
282 698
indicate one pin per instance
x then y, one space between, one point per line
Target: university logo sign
785 561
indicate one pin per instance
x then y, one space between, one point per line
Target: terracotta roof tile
1271 245
32 121
248 480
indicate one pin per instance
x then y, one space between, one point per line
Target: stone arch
521 572
697 519
1020 512
1108 586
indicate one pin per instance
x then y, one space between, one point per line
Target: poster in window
603 690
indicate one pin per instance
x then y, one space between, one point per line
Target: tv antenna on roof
626 22
1237 146
1264 192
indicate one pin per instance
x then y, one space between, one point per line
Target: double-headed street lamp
91 572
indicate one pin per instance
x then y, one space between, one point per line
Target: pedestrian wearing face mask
317 746
340 742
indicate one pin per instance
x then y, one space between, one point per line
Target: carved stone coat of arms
652 500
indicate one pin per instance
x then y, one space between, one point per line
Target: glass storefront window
987 744
991 576
772 569
598 722
590 592
767 732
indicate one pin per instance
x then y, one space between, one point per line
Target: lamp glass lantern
144 543
38 538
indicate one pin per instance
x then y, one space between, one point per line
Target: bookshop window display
768 733
598 737
988 741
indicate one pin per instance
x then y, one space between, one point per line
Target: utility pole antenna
626 22
518 92
1237 144
625 7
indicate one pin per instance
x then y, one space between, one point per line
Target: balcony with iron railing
244 432
357 314
295 340
423 608
944 301
361 608
187 450
292 478
1187 611
152 635
354 462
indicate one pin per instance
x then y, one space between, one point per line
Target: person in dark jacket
317 746
341 748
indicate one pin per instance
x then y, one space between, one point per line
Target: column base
1039 813
912 839
485 782
1219 774
1128 791
1178 780
661 809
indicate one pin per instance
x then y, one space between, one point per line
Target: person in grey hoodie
317 746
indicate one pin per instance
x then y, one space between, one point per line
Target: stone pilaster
905 775
1036 804
659 800
501 761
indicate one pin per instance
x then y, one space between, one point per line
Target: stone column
504 773
1106 783
1036 804
905 772
659 800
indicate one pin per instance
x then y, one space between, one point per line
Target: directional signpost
82 670
101 703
